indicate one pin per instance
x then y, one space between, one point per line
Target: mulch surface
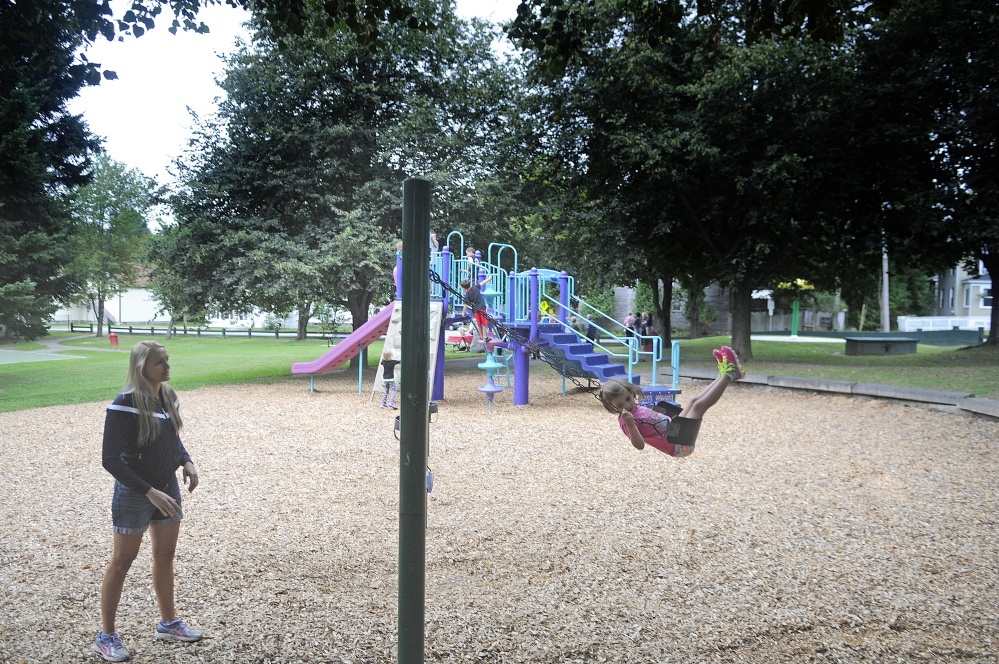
804 528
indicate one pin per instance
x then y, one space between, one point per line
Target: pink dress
652 425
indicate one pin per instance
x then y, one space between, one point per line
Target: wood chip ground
804 528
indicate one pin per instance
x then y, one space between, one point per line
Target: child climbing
388 375
474 299
673 433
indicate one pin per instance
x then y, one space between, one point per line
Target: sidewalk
52 351
954 402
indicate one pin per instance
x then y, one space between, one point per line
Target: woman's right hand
163 502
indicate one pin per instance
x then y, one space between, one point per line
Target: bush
272 322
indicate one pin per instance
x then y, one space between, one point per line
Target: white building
135 305
962 301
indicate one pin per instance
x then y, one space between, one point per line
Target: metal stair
579 354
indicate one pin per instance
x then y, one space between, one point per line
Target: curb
961 402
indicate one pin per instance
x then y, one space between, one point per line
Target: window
941 298
950 298
986 298
967 296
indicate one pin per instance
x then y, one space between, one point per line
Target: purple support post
533 309
563 296
522 360
437 393
446 270
511 298
397 273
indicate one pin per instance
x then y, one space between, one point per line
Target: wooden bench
880 345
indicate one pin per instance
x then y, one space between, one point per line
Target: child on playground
474 299
388 375
672 434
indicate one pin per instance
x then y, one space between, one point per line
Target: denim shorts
132 513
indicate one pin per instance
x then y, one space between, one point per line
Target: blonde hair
616 388
387 354
143 398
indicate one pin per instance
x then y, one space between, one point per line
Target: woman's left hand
191 476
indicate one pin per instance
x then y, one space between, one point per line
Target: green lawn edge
206 361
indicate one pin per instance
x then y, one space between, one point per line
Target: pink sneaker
728 363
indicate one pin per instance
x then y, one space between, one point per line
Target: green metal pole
794 317
414 427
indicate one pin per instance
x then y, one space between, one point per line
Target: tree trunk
742 300
663 303
304 314
694 297
100 316
358 303
170 327
991 262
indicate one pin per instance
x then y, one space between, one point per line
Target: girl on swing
672 432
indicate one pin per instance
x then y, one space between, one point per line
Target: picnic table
459 342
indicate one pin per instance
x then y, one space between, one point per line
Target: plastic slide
342 353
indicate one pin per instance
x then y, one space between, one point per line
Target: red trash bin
113 338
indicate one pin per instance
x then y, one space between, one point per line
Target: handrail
499 254
635 343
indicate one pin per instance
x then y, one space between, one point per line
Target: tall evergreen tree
44 152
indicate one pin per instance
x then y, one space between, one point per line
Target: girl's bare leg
164 541
708 397
126 548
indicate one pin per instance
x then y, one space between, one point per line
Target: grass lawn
195 362
941 368
204 361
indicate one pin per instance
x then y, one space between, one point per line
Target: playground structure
490 365
515 300
536 304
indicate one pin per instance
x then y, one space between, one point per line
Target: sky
143 115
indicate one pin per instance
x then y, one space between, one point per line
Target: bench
880 345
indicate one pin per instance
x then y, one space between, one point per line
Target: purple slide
340 354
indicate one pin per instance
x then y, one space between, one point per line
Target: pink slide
340 354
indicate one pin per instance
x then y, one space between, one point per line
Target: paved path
53 351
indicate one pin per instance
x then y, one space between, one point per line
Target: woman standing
142 450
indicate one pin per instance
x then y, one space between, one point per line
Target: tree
111 213
953 77
295 189
44 152
703 148
169 280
